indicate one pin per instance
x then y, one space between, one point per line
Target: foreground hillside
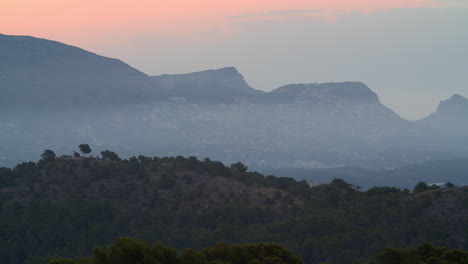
65 206
130 251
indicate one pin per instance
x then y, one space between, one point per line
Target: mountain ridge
38 72
146 86
450 116
35 66
225 85
357 91
56 95
456 103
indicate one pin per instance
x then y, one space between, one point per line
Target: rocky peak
325 92
220 85
455 105
37 72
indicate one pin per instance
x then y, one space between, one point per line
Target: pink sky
62 20
424 49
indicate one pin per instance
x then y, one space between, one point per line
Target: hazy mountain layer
450 117
225 85
433 172
58 96
42 73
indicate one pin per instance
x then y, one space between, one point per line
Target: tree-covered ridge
64 206
189 182
130 251
425 253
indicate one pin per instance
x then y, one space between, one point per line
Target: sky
412 53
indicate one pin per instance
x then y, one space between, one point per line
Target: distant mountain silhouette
224 85
450 117
53 95
42 73
322 93
456 106
344 102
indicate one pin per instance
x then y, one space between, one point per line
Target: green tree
48 156
63 261
101 255
109 155
421 187
424 253
239 167
190 256
130 251
450 185
84 148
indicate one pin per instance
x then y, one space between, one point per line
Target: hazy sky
413 53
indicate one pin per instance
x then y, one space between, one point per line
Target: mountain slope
322 93
450 115
350 102
220 115
42 73
224 85
457 106
446 129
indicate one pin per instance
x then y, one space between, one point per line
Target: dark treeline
130 251
424 253
64 206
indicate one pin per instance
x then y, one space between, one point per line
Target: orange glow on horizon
56 18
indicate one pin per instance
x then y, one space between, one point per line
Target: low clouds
331 10
276 13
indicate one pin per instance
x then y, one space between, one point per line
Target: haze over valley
234 132
56 96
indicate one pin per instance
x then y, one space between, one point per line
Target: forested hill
150 183
63 207
130 251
